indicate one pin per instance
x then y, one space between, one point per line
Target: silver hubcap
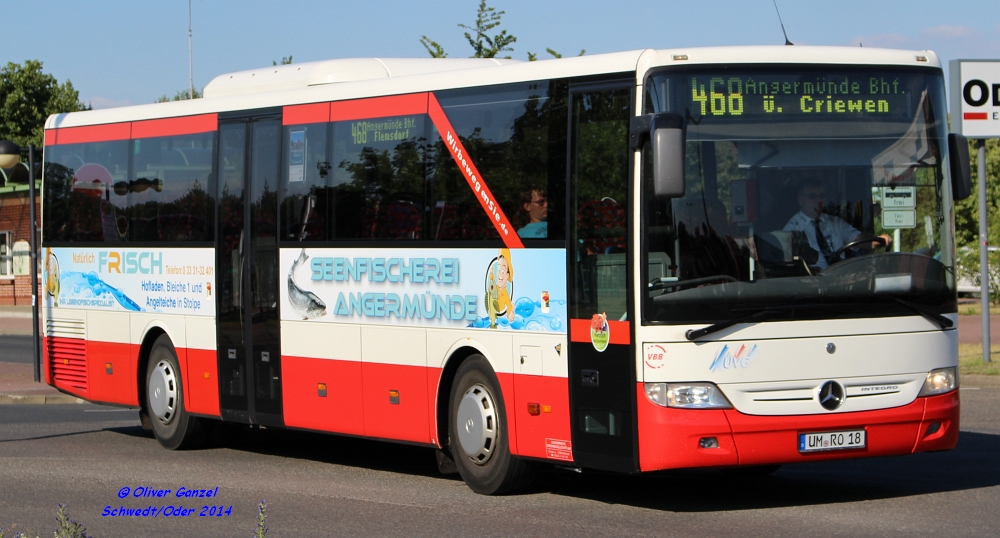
163 392
477 424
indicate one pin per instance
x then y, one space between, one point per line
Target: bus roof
353 78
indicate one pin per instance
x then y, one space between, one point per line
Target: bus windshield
811 192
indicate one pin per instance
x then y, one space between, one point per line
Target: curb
39 399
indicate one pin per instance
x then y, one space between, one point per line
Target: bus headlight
687 395
940 381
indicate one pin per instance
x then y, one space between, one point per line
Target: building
15 236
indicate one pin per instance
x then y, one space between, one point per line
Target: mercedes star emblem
831 395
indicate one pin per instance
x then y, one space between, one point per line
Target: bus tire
477 430
173 427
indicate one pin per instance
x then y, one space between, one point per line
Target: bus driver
834 232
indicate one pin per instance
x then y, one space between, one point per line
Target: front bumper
669 438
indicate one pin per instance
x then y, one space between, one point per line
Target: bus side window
169 188
307 207
377 176
80 186
516 136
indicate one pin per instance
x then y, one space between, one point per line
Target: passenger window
378 178
79 187
308 209
169 189
516 135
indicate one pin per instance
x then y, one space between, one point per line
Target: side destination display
500 289
171 281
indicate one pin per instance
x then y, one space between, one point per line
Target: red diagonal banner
468 168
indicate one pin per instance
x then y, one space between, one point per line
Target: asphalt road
82 455
15 348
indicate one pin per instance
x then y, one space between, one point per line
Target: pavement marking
108 410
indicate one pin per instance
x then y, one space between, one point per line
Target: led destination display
753 96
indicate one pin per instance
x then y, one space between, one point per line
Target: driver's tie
824 247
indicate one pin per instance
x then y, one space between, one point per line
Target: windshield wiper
942 321
759 315
694 334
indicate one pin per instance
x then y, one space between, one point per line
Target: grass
975 309
970 360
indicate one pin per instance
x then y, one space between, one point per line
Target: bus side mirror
961 169
667 135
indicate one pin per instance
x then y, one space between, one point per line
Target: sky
125 52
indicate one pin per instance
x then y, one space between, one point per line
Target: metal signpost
975 112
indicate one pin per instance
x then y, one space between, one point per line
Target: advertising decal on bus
172 281
477 288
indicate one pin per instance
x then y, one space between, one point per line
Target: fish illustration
304 303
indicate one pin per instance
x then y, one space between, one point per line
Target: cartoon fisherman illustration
52 276
499 288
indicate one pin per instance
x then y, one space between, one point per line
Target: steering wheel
862 239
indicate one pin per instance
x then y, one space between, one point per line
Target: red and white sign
558 449
975 98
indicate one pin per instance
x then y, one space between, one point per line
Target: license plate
819 441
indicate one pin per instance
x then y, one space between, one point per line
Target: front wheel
477 429
173 426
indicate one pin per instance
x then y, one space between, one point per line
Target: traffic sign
975 98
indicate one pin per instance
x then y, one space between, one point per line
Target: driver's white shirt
835 229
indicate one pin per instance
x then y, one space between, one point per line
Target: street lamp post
10 156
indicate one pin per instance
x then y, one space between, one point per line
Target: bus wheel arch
164 413
148 339
459 352
478 431
455 358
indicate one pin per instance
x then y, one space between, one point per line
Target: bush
968 268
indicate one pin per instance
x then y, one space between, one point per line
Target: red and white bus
716 257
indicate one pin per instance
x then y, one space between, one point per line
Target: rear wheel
173 426
477 429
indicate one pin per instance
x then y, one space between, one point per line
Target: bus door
247 276
601 356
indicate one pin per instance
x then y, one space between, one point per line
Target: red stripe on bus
476 182
322 394
300 114
202 390
621 331
975 116
379 107
110 372
90 133
203 123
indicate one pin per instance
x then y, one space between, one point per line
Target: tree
286 60
534 57
27 97
179 96
967 219
484 45
967 211
433 47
